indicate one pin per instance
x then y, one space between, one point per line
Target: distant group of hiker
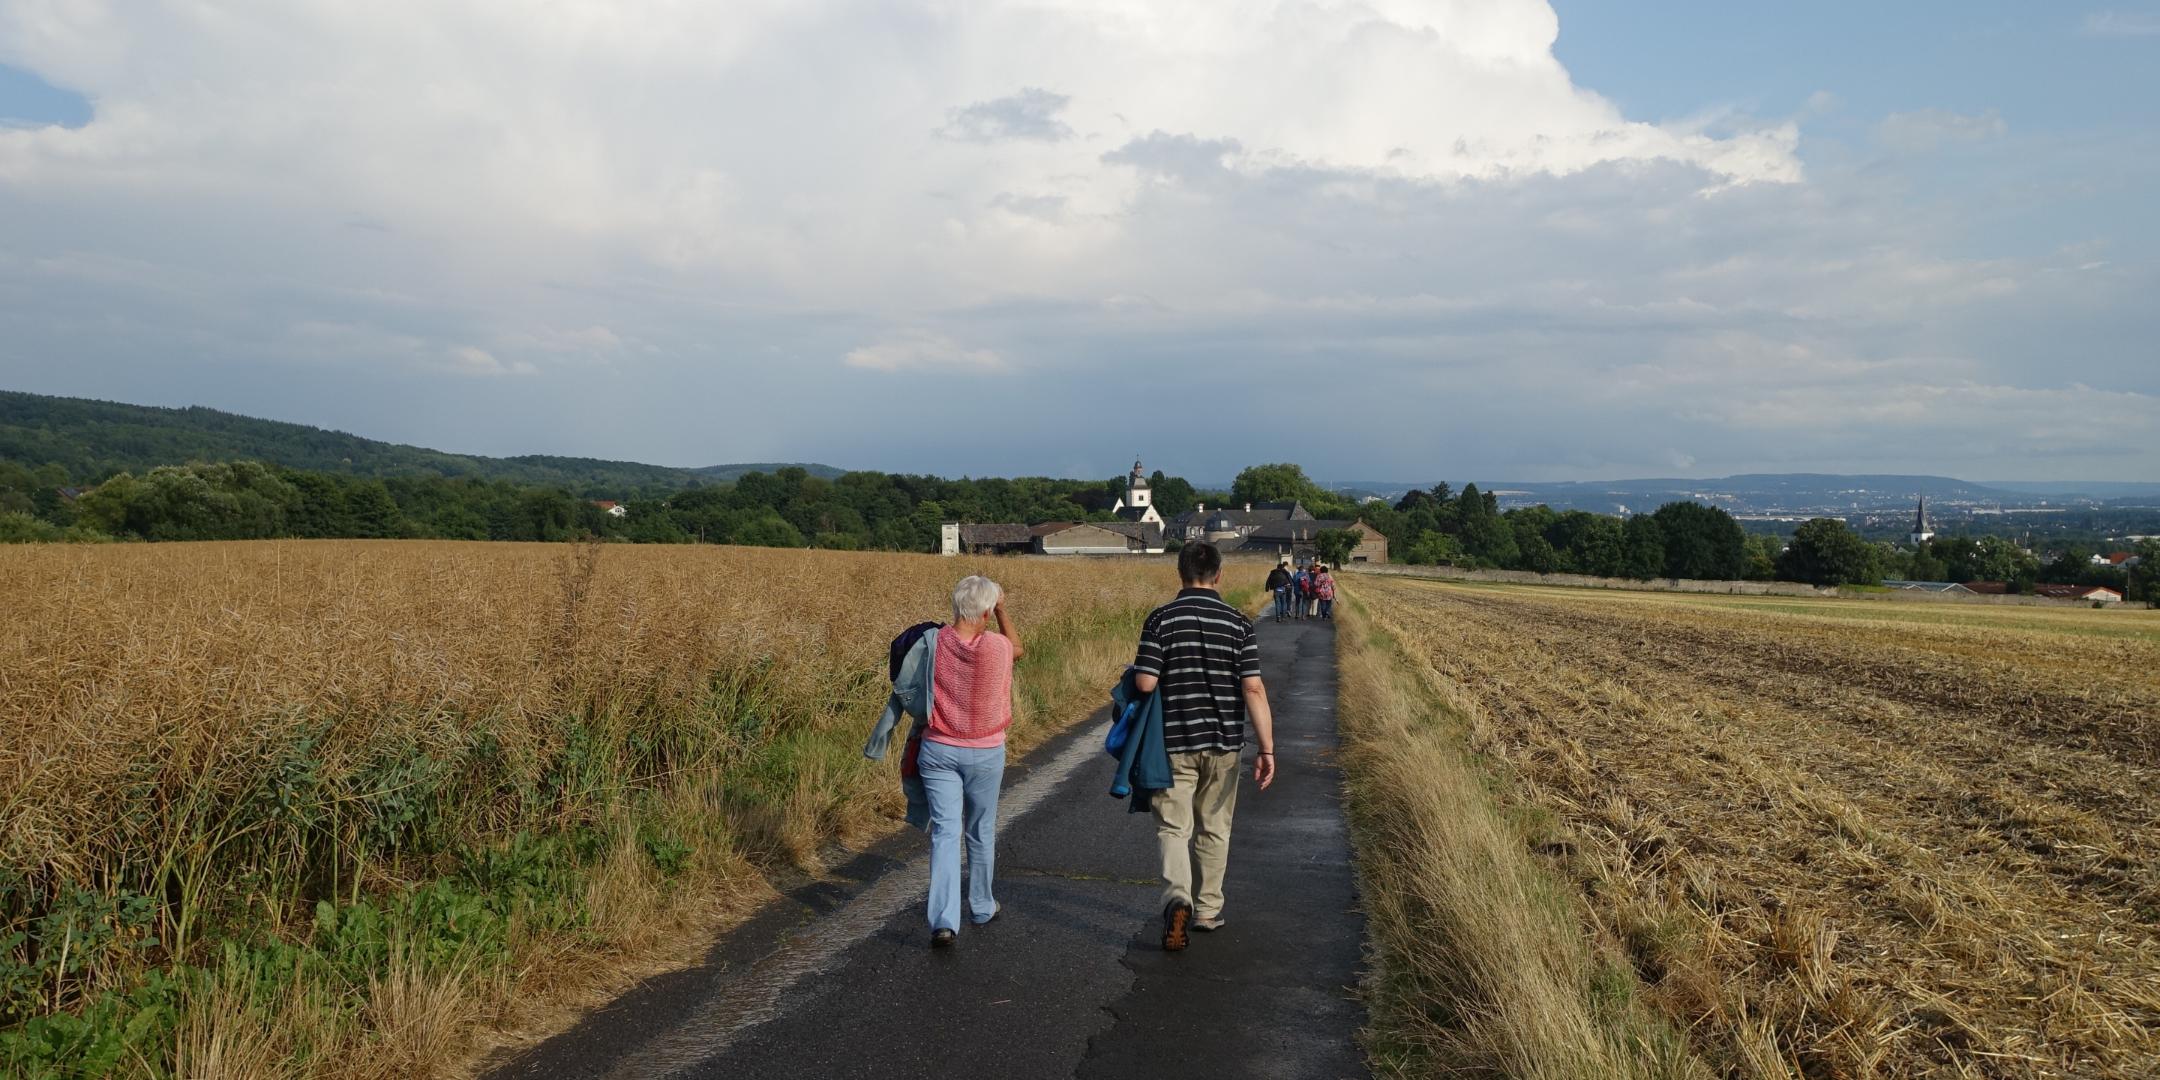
1180 718
1306 592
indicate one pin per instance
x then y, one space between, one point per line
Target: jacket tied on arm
1143 760
911 696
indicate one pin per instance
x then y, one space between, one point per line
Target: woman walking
962 760
1324 591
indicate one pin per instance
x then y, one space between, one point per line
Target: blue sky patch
29 101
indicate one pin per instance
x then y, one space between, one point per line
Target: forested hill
95 439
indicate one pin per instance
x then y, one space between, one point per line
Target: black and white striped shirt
1200 648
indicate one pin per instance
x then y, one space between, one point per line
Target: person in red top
962 760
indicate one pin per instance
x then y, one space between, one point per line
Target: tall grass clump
319 808
1481 964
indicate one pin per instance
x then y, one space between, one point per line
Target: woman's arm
1005 627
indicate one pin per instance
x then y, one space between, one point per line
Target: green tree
1276 483
1172 495
1701 542
1432 548
769 530
1824 551
1643 548
1335 545
2144 583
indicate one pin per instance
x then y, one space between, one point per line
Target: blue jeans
1327 608
962 784
1282 603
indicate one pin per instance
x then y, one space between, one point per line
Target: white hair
974 597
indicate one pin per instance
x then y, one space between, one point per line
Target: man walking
1278 582
1205 657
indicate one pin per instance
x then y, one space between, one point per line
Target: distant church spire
1920 532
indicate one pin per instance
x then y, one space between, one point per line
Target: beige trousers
1192 824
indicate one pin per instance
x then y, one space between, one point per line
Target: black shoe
1174 919
943 939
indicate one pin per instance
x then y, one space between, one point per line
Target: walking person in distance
1300 586
1278 583
962 759
1203 658
1324 591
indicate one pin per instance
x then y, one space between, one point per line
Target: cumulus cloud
680 208
924 352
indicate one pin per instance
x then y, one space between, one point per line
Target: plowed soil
1842 838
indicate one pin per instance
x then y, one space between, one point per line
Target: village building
958 539
1293 540
612 509
1137 506
2097 593
1950 588
1221 523
1921 534
1098 538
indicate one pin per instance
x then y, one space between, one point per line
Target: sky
1391 240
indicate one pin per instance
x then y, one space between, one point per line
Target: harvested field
343 809
1834 839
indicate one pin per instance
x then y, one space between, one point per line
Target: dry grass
1481 967
1829 843
601 748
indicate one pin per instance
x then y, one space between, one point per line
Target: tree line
250 500
245 500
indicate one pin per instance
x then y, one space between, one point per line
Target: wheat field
1819 839
331 808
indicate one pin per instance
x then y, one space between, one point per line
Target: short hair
1199 561
974 597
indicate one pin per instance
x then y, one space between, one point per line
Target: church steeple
1921 534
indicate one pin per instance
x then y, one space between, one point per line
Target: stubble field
1826 839
361 808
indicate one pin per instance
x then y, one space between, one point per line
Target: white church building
1138 504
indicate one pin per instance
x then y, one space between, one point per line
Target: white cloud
924 352
470 360
668 206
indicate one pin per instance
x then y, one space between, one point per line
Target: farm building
1098 538
1214 525
612 509
957 539
2099 593
1293 539
1053 538
1944 587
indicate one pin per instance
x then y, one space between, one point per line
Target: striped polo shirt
1200 648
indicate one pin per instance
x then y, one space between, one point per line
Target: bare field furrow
1829 853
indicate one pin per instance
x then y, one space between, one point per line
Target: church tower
1921 534
1138 503
1136 487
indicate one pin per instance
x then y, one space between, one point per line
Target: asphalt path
837 980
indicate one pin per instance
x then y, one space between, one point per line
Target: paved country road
837 980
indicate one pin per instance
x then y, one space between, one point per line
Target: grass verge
1482 964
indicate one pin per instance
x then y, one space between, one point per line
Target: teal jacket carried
911 695
1143 761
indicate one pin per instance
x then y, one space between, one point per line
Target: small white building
1921 534
1138 504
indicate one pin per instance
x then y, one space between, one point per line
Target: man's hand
1263 770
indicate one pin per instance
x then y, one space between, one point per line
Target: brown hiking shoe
1174 919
